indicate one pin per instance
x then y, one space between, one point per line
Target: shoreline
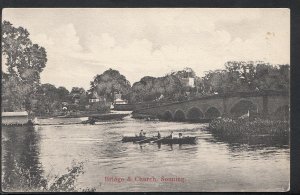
82 119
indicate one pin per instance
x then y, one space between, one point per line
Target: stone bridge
265 104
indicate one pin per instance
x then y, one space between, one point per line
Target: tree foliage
27 180
48 99
23 58
14 91
171 87
24 62
108 83
63 94
241 76
79 94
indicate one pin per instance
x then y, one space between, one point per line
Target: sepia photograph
145 100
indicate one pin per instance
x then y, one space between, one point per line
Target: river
210 165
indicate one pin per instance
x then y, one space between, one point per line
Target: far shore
82 114
79 118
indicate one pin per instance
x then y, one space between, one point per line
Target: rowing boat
138 138
176 140
163 140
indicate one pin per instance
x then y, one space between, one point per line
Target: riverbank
76 114
245 130
150 117
82 119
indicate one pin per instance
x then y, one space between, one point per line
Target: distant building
159 98
14 118
65 103
94 97
189 82
119 100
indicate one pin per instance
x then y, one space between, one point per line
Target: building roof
15 113
93 95
93 98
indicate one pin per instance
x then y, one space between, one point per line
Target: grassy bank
244 130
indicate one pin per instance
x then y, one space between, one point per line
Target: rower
158 135
180 135
171 135
142 133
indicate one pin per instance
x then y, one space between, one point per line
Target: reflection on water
20 151
210 165
256 141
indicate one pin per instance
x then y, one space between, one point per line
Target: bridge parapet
228 105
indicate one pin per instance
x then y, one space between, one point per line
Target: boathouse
14 118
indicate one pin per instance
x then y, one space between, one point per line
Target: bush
100 107
27 180
244 129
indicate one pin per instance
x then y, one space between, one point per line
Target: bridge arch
282 112
179 115
212 113
194 114
167 116
242 107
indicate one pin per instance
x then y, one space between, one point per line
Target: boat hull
143 139
138 139
184 140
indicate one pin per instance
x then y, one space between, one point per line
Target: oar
144 140
158 140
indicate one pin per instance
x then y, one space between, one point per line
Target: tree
170 87
63 94
79 97
77 90
25 61
241 76
185 73
23 58
108 83
47 100
15 92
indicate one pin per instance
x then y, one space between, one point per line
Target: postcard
145 100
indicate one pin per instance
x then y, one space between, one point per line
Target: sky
82 43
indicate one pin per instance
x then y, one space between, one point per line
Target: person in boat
180 135
91 121
158 135
142 133
171 135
